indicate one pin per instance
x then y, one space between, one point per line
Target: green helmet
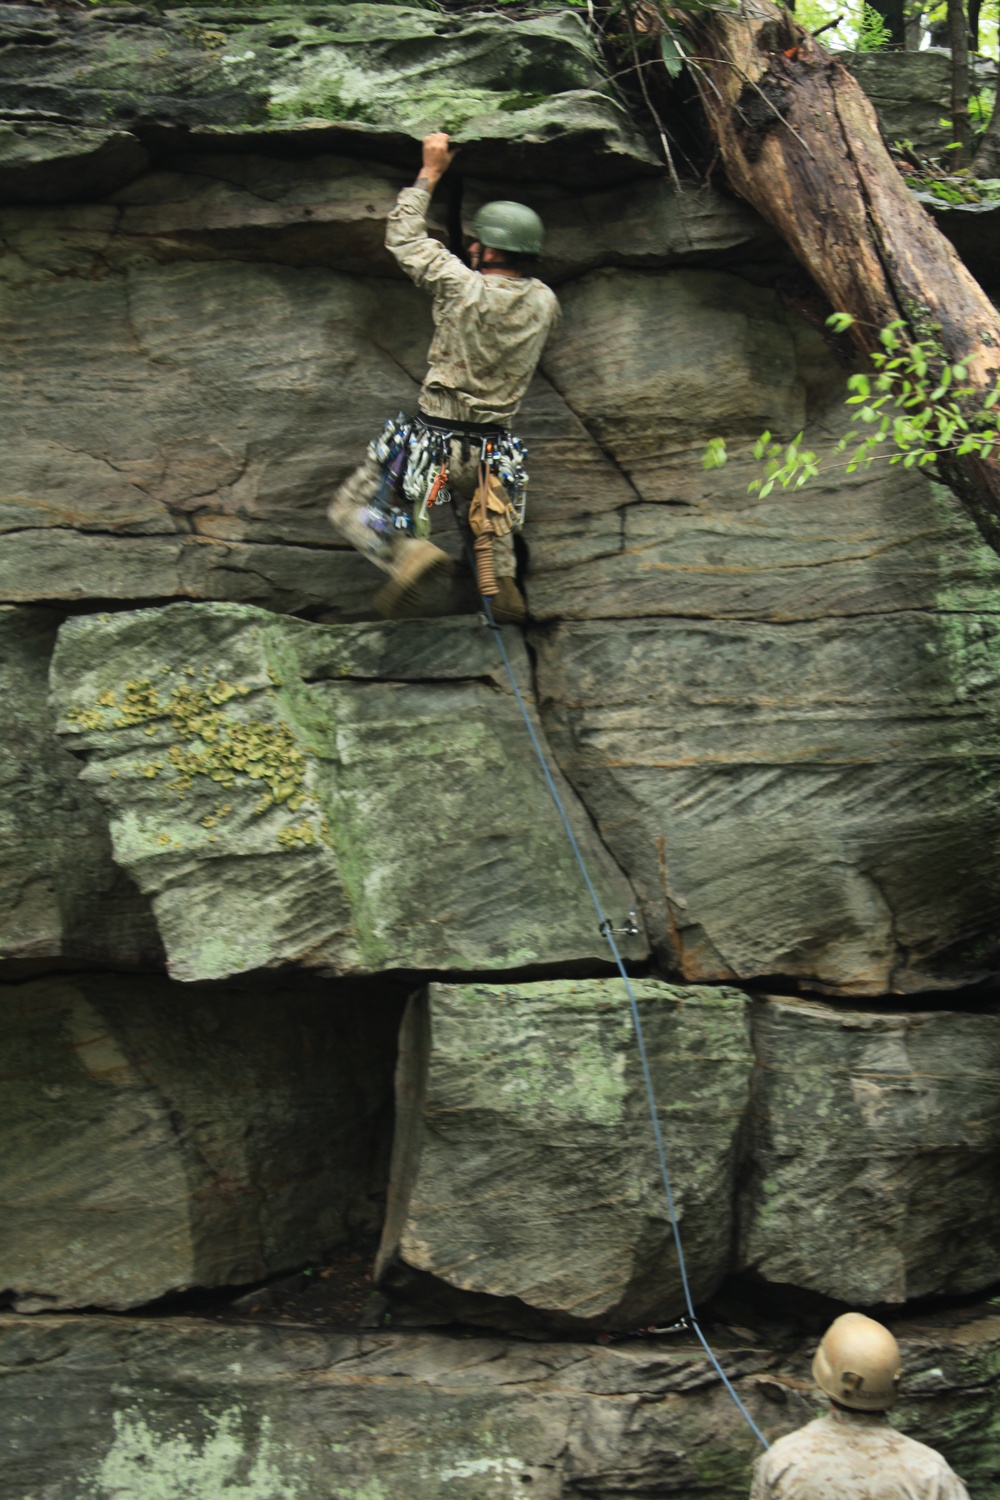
509 226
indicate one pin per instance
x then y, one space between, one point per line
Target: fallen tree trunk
801 142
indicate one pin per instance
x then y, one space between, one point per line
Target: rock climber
491 323
853 1453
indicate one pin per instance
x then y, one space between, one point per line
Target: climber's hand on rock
438 157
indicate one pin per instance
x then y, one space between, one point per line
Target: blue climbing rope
606 929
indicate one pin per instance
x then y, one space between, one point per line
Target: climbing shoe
419 586
508 604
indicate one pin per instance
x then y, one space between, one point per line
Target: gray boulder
188 1409
873 1152
911 95
352 799
158 1137
525 1183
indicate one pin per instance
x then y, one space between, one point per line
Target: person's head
857 1364
506 236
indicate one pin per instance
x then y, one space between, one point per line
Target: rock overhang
525 98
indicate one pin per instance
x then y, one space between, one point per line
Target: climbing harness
413 453
609 935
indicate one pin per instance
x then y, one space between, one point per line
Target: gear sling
413 453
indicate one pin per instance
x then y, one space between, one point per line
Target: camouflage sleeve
759 1489
425 260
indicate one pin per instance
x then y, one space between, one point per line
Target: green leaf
670 51
715 454
840 322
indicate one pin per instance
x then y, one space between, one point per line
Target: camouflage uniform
853 1456
489 332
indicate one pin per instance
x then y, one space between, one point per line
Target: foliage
957 188
916 408
873 34
981 107
816 14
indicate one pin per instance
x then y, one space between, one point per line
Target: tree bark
800 141
975 11
958 41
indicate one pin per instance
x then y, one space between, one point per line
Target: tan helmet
857 1364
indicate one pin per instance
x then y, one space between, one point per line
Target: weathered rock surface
61 894
819 803
873 1146
525 1189
159 474
158 1137
781 716
228 400
524 1166
189 1410
348 798
782 712
373 77
910 92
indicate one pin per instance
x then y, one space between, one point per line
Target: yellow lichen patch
86 718
212 745
295 834
140 703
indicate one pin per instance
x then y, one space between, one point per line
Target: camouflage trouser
387 551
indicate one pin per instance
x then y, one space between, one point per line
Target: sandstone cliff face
250 828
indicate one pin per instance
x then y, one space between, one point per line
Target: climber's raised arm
424 259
